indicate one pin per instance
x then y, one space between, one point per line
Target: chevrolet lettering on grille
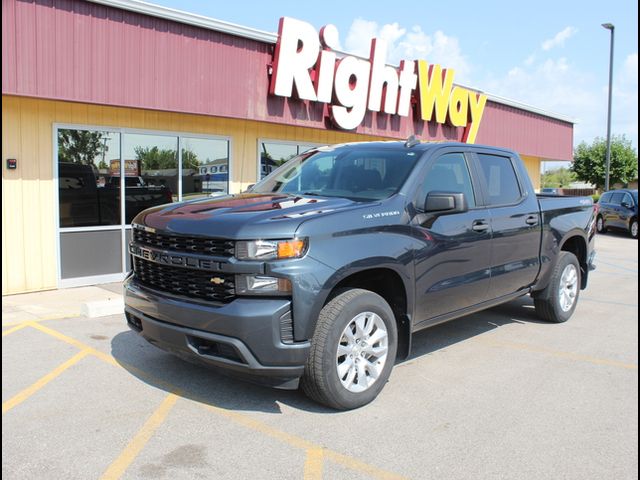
173 259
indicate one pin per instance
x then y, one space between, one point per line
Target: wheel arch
391 284
576 243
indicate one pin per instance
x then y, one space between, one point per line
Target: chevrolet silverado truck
319 275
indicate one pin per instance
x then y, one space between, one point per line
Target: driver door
452 267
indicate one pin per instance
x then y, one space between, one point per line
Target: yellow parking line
60 336
357 465
301 443
27 392
249 422
135 446
44 319
244 420
558 353
14 329
106 358
313 464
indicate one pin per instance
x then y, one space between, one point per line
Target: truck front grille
184 281
180 243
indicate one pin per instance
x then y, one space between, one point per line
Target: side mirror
626 204
250 187
445 203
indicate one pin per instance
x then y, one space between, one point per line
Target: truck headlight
262 285
270 249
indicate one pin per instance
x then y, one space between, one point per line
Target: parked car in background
618 210
551 191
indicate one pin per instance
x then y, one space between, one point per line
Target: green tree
80 146
558 178
589 161
154 158
189 160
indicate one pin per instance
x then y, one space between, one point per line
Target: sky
550 54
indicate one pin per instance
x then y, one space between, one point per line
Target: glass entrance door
90 221
107 176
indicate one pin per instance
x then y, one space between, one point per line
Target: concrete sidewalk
93 301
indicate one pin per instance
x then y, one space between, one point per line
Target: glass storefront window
205 167
87 196
274 154
150 170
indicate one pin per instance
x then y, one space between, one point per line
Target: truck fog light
262 285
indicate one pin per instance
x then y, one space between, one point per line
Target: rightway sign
306 66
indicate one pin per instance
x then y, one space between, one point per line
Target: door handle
532 220
480 226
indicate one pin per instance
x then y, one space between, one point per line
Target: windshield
355 173
634 194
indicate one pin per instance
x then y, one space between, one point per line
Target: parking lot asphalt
497 394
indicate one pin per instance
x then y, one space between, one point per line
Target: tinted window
500 179
606 198
627 198
616 198
449 174
358 173
85 192
151 171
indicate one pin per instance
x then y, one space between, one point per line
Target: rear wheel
633 228
558 301
600 225
352 352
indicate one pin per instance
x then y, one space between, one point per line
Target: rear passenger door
515 222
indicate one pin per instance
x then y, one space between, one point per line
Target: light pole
611 28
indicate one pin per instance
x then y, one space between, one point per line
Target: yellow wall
533 168
29 256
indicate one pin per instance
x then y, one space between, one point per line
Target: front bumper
241 338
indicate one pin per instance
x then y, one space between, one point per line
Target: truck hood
242 216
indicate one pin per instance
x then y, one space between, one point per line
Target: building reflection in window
205 167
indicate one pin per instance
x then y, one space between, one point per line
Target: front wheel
633 228
558 301
352 352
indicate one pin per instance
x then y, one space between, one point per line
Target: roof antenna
412 141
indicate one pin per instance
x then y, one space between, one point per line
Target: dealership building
182 106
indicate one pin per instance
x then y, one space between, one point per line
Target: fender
551 246
308 312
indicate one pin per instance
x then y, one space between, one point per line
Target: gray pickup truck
320 274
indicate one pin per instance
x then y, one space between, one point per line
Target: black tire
320 380
548 301
633 227
600 226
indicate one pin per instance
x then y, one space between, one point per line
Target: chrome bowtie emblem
217 280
